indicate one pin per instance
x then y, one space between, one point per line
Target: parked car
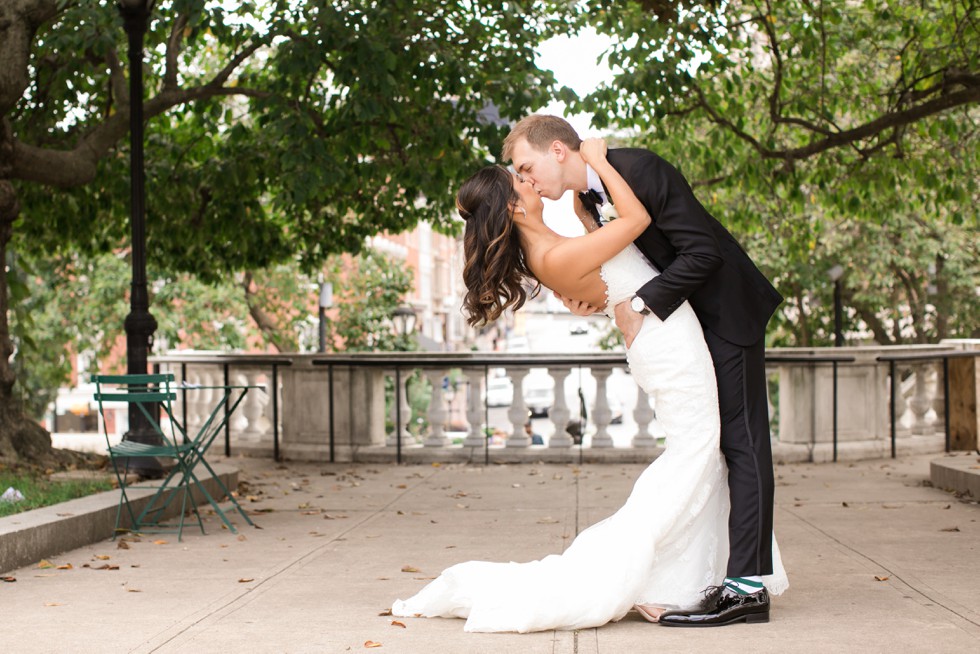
500 391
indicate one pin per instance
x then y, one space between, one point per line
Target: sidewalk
335 539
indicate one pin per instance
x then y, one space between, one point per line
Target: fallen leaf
880 578
844 504
53 604
399 512
160 542
245 580
327 516
44 564
423 578
515 485
69 566
315 512
266 510
371 643
950 529
106 566
385 612
396 623
547 521
9 580
384 578
65 515
103 557
402 486
133 590
409 568
947 506
242 537
123 545
436 464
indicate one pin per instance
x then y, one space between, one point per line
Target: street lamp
139 324
835 274
326 301
404 320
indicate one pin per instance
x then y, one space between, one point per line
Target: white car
500 391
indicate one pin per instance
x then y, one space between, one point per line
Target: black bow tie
591 200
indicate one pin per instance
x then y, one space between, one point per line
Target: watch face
637 304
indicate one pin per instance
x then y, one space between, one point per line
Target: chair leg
213 503
227 493
123 498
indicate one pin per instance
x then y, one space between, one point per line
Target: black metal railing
226 362
892 359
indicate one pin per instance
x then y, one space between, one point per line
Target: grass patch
40 491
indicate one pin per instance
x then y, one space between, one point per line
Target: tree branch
173 49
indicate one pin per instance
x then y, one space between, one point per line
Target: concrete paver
338 543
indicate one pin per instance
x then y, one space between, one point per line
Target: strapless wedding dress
667 543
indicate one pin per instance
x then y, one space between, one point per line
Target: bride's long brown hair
495 269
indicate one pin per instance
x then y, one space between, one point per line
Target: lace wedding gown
667 543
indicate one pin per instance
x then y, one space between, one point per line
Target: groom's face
541 168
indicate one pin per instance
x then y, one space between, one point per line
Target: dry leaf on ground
160 542
123 545
950 529
371 643
103 557
69 566
385 612
409 568
43 564
396 623
880 578
245 580
53 604
9 580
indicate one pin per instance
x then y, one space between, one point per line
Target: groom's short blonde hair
540 131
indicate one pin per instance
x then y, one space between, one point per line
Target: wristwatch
638 305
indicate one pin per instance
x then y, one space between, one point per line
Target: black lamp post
139 324
835 274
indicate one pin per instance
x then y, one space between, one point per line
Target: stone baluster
901 400
253 407
474 408
437 410
560 412
195 401
920 402
601 414
939 401
518 409
400 396
643 415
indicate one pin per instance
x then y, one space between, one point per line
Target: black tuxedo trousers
700 261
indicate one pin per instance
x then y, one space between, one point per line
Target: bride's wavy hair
495 271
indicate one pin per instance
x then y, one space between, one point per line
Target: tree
822 133
274 129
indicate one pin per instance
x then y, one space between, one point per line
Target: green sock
743 585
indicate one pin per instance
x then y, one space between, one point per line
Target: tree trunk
21 438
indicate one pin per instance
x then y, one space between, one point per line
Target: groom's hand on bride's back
577 307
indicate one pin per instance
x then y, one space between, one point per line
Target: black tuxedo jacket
698 259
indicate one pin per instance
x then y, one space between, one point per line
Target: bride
670 539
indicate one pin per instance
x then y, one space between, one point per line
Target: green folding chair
151 394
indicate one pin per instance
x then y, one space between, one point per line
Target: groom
701 262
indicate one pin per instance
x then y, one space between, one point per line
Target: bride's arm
579 257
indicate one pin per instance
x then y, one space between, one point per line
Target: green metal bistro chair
152 394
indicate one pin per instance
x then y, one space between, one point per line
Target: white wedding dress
667 543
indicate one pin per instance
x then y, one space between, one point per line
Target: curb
28 537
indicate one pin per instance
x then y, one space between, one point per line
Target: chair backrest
144 391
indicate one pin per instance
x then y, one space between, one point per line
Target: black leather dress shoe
720 608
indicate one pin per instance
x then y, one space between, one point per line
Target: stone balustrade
373 416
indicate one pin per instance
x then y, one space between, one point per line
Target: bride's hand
593 150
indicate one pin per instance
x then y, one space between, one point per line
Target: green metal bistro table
229 397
